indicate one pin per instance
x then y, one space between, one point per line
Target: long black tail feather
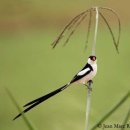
45 97
37 101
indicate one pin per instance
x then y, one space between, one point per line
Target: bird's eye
94 58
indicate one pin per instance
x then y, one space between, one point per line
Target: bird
85 75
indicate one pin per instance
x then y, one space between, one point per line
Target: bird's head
92 59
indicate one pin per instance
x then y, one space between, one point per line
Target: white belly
90 76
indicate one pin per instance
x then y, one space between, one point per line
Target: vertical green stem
88 106
95 32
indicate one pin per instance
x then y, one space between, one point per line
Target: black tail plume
37 101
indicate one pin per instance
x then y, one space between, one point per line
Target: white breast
90 76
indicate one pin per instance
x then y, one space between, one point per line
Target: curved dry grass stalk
74 29
89 29
68 27
76 21
111 32
118 19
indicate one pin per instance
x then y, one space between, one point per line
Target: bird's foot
89 85
90 82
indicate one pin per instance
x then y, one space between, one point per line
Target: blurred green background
30 68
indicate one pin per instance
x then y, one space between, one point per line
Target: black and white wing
85 71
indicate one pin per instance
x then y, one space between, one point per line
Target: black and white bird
82 77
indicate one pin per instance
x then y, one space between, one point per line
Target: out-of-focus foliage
24 14
30 68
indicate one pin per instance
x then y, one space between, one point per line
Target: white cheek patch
83 71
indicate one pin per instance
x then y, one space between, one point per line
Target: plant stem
111 111
95 33
88 104
126 119
26 120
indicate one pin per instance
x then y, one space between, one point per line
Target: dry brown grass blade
118 19
74 22
111 32
89 27
68 27
74 29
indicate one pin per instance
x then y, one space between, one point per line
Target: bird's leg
89 84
